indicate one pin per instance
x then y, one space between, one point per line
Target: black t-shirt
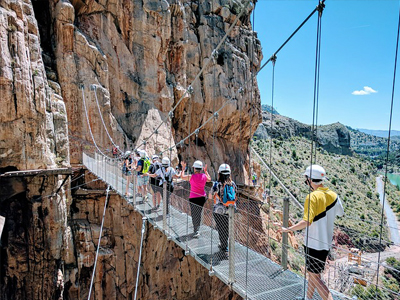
153 169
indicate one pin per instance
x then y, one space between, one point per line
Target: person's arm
139 166
206 173
183 176
174 174
299 226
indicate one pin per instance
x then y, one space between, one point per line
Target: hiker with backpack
155 182
115 151
142 168
126 170
166 174
197 197
224 194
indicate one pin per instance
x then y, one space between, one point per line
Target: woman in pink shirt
198 195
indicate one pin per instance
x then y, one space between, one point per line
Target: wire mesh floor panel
264 279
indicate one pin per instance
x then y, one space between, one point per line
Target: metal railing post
116 174
165 207
94 170
134 182
285 222
231 247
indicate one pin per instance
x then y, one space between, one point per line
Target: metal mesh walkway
247 270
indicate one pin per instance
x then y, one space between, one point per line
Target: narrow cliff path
391 217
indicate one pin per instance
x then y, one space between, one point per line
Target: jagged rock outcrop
333 138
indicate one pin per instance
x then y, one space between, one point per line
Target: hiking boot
196 235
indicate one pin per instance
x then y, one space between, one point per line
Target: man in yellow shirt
320 210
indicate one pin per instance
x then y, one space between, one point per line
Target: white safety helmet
166 162
154 157
224 169
143 154
198 164
137 151
127 154
315 172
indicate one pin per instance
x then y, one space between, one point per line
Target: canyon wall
135 59
69 70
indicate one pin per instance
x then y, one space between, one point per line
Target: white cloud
366 91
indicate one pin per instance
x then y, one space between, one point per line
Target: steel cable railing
252 249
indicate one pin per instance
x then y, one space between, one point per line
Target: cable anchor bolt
320 7
196 132
216 115
171 114
190 90
273 58
156 131
241 91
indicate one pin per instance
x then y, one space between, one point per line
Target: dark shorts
127 173
157 189
315 260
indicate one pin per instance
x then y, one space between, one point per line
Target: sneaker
196 235
222 249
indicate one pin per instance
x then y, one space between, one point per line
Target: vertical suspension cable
320 8
140 254
250 138
388 150
213 55
316 87
270 146
99 241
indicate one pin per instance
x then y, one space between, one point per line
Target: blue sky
357 51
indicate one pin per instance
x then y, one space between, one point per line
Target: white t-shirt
165 174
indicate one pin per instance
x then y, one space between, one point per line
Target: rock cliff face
120 65
333 138
33 135
142 56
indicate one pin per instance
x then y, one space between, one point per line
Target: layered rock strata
141 56
33 135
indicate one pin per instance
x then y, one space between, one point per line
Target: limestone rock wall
33 135
33 119
141 56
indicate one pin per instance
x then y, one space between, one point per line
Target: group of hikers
223 191
320 209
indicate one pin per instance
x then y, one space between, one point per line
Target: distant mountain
334 138
375 147
380 133
268 108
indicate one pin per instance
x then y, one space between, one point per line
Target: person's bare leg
323 291
127 185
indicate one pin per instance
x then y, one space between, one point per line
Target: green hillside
352 177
